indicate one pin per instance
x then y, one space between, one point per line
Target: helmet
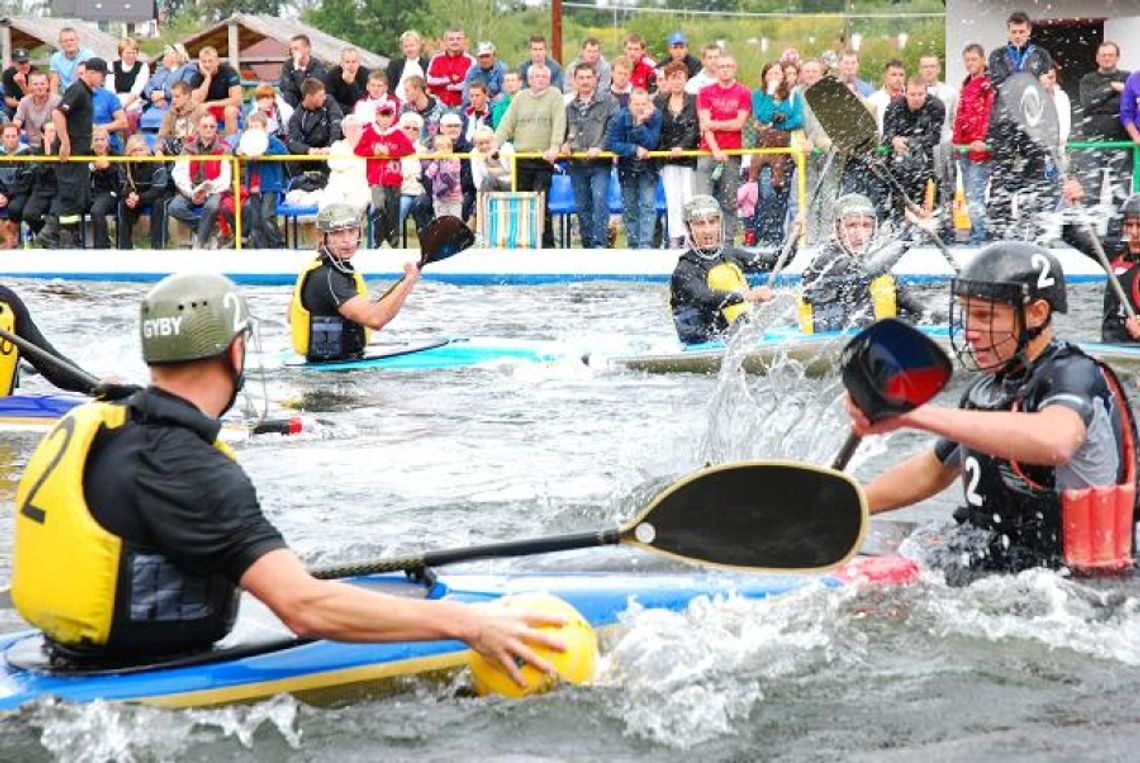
336 217
1131 206
191 316
854 205
1013 273
703 207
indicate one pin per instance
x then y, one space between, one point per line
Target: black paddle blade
847 122
444 237
890 367
1022 99
756 515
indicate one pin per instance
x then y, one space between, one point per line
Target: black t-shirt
327 288
11 89
225 78
160 483
79 110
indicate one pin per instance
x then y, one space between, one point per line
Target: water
1034 667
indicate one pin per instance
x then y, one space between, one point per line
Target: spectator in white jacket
348 173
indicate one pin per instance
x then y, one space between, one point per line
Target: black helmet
1131 206
1013 272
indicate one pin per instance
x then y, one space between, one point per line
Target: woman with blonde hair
144 190
127 78
413 63
174 67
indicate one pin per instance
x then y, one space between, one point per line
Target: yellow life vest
9 353
299 318
884 300
65 566
727 276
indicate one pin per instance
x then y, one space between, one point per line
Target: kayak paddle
750 516
443 237
113 391
852 129
890 368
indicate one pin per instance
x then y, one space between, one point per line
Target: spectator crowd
428 134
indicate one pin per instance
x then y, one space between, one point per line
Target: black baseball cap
95 64
19 55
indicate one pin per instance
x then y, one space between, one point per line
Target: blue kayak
39 413
443 353
261 658
818 353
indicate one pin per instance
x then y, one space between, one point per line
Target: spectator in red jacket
644 74
970 126
448 68
384 144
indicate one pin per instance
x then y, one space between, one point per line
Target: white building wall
983 22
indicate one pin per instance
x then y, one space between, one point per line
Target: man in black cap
73 119
15 80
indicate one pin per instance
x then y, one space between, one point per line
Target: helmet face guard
700 208
850 206
1007 345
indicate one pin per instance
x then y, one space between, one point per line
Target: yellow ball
577 665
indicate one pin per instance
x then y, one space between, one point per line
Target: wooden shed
257 45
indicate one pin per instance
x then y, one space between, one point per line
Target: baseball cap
450 119
485 49
386 108
95 64
677 38
19 55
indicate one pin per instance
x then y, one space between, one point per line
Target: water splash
689 677
102 731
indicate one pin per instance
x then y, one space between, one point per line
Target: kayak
39 413
261 658
442 353
817 353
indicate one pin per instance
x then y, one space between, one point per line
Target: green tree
374 25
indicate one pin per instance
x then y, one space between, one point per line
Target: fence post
237 201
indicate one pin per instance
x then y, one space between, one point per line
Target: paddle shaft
843 457
786 251
885 174
90 381
1113 281
569 542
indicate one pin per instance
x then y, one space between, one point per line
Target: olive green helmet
191 316
336 217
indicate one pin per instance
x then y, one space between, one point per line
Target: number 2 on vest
63 432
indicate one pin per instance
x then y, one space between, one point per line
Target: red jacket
445 75
644 74
385 172
973 119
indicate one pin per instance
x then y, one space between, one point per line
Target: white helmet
703 207
855 205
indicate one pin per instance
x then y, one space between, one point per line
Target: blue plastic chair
562 204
